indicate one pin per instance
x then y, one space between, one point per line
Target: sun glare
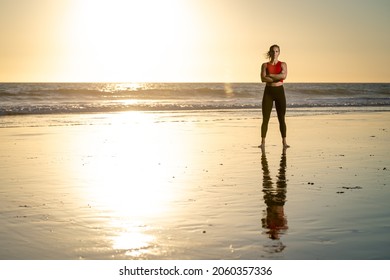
124 40
122 164
128 173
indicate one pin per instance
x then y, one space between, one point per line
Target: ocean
70 98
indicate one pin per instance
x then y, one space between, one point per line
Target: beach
194 186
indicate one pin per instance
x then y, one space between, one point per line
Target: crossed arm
273 78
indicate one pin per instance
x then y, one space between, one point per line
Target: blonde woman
273 73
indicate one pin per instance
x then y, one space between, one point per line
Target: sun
123 40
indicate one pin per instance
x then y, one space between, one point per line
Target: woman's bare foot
262 145
285 145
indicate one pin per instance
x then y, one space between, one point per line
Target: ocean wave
91 108
55 98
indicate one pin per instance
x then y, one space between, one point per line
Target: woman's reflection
275 221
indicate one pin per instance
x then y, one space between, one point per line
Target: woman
273 73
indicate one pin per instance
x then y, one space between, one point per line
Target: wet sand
194 186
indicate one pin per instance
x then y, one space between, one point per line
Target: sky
192 40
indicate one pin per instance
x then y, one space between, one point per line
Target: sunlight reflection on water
134 242
128 173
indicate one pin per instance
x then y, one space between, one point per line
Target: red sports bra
274 69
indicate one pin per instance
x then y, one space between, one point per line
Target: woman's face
275 53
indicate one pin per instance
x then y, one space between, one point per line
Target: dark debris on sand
353 188
350 188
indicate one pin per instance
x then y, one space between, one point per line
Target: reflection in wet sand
275 221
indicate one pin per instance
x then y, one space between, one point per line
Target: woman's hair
271 51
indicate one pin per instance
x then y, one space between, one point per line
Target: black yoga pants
271 95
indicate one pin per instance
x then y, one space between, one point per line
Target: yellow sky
192 40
